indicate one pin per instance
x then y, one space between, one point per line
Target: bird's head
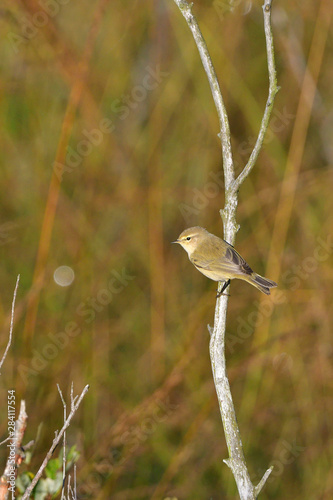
191 238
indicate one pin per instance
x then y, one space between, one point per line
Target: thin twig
56 441
11 323
273 90
64 443
72 395
263 480
75 494
69 489
228 165
236 460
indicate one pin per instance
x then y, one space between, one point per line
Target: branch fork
236 461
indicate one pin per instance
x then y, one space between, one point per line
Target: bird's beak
177 241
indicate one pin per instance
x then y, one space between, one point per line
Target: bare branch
273 90
73 399
11 324
228 166
56 441
64 442
236 460
263 480
75 493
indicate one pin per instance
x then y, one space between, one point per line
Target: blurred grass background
150 427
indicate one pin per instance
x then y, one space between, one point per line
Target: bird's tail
263 284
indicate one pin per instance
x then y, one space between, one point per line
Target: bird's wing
231 263
236 261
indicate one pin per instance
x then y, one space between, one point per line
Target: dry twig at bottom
75 403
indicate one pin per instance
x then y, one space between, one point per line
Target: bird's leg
225 285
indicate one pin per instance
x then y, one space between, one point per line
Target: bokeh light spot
64 276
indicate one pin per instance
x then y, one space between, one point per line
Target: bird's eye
188 238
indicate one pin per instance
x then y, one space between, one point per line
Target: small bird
218 260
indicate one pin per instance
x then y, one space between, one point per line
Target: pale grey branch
263 480
228 165
63 442
273 89
11 324
236 460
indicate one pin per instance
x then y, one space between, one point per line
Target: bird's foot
225 286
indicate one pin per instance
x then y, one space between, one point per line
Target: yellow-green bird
218 260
